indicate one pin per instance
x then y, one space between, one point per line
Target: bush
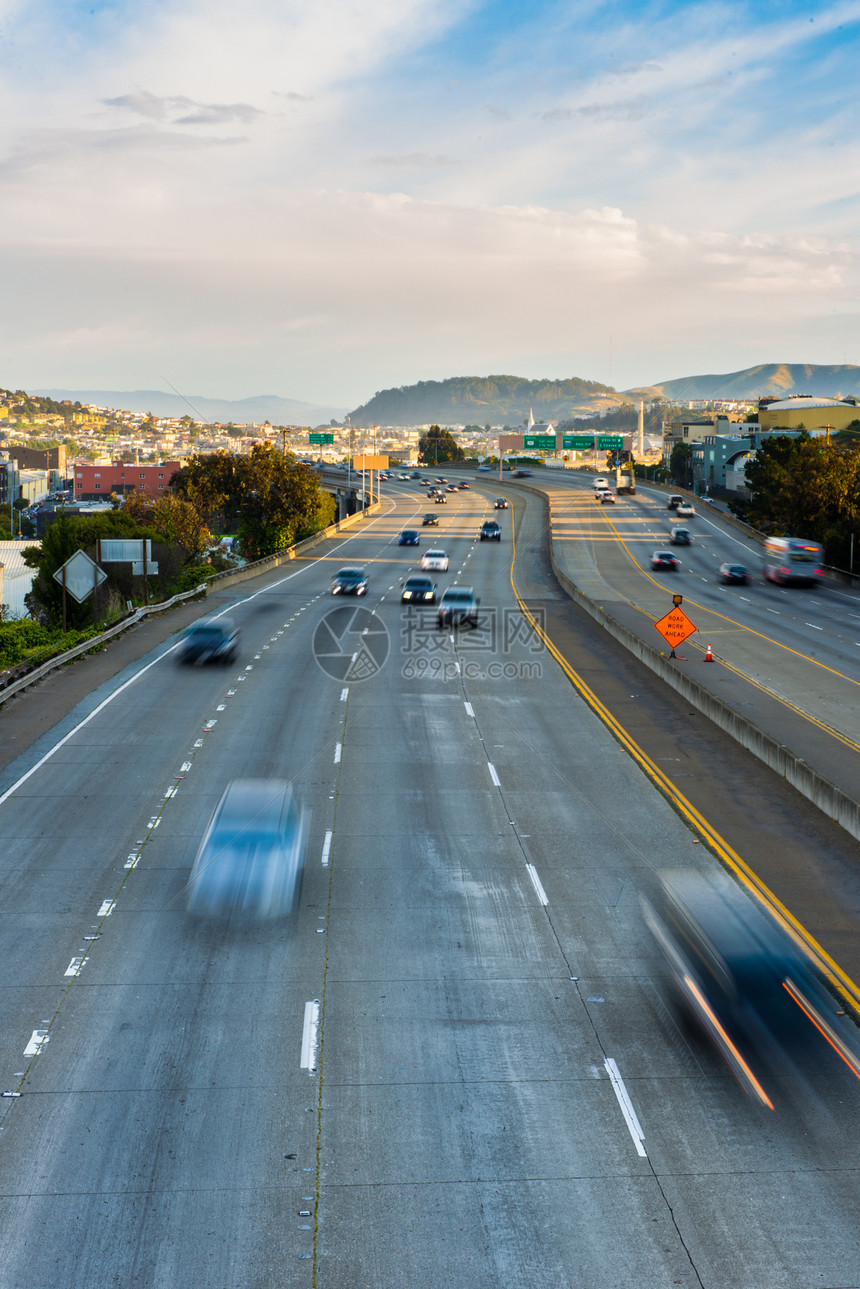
29 641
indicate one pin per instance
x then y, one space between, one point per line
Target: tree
438 446
681 465
174 519
269 498
809 488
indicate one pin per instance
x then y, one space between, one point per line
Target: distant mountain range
482 400
776 379
243 411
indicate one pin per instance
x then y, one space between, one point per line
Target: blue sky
322 198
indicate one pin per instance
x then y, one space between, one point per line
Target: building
719 460
815 415
97 482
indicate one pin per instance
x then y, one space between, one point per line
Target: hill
242 411
478 400
777 379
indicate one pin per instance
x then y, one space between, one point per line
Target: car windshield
457 597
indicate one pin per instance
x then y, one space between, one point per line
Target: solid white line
493 774
326 847
814 627
309 1035
343 695
536 883
338 748
38 1039
626 1106
468 707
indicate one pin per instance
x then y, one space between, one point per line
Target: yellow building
811 414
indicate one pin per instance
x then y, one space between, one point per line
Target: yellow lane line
839 979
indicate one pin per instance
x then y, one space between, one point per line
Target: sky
324 198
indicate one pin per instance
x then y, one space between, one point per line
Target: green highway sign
545 441
579 441
610 441
320 438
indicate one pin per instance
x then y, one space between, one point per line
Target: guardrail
228 577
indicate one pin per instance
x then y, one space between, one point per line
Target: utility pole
641 428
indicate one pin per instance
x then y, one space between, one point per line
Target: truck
625 479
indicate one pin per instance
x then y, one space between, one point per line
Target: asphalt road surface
458 1063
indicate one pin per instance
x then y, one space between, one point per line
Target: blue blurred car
251 859
409 537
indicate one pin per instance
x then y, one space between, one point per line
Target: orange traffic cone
709 657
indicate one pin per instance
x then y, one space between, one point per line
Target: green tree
438 446
270 499
681 465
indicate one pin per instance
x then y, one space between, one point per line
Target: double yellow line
847 990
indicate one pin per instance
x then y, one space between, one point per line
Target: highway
459 1061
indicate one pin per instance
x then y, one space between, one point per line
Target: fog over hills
258 409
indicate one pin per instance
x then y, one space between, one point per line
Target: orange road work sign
675 627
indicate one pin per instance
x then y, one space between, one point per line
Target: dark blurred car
441 479
451 487
738 574
430 519
419 590
459 605
210 641
665 562
463 484
501 503
440 499
674 502
409 537
490 531
747 983
251 858
349 581
680 537
523 474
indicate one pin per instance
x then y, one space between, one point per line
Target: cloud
420 159
184 111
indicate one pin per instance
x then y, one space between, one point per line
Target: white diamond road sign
82 575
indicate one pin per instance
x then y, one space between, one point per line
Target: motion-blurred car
680 537
490 531
462 484
430 519
600 482
440 499
749 986
418 590
210 641
523 474
251 858
736 574
349 581
485 469
685 510
440 478
437 561
403 476
459 605
606 497
409 537
501 503
674 502
665 562
451 487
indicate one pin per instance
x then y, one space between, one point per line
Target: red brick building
97 482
